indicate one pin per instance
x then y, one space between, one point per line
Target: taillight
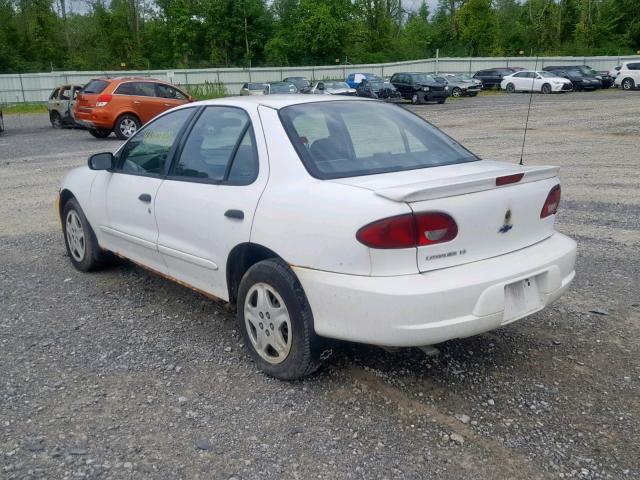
552 202
103 100
507 179
409 231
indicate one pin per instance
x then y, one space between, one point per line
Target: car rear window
353 138
95 86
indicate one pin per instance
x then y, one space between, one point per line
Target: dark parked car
579 81
1 121
586 72
460 85
492 77
376 87
420 87
302 84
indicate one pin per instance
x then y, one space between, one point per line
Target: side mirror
191 99
102 161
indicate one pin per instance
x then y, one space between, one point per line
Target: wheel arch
64 196
241 258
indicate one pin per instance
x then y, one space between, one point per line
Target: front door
129 201
205 206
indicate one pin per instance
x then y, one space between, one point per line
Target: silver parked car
252 89
332 87
461 84
61 103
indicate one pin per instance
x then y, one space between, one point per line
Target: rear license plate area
520 299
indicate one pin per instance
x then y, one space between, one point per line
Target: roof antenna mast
526 124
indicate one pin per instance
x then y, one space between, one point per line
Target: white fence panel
36 87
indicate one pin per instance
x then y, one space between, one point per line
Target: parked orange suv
123 105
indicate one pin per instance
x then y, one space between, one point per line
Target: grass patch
18 108
206 90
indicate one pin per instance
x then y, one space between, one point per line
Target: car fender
78 183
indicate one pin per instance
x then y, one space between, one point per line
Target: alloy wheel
128 127
268 323
75 235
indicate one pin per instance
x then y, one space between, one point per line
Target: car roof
275 101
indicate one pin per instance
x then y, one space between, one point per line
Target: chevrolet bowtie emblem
507 223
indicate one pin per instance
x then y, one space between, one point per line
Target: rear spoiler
476 182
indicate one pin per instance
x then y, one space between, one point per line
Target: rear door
205 207
146 102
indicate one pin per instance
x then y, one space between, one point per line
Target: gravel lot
120 374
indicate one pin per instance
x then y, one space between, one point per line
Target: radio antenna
526 123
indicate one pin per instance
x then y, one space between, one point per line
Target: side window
351 77
166 91
65 93
126 89
144 89
147 151
220 148
76 91
54 94
520 75
633 66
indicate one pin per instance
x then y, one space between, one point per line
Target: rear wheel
100 132
126 126
442 101
511 88
628 84
456 92
82 246
416 98
473 94
276 322
546 88
55 119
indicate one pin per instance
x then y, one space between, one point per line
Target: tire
456 92
416 98
511 88
100 132
83 249
546 89
126 126
440 102
577 87
628 84
473 94
300 348
55 119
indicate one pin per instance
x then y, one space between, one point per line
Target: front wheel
126 126
546 88
628 84
276 322
81 243
511 88
456 92
416 99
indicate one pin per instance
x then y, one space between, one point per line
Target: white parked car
536 81
317 225
629 76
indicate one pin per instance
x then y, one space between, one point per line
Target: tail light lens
409 231
103 100
552 202
507 179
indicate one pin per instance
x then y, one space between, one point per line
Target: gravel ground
120 374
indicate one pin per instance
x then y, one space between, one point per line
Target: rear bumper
429 308
94 119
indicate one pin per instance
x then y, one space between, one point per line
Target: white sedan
318 226
535 81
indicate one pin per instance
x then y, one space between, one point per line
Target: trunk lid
89 94
492 220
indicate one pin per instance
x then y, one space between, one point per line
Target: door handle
237 214
145 197
167 105
136 101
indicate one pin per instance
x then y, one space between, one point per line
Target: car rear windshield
341 139
95 86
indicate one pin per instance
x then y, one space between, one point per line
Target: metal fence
36 87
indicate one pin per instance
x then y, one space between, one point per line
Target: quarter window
633 66
220 148
147 152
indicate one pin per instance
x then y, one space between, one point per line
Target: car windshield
463 76
95 86
335 85
587 70
336 139
283 88
256 86
423 78
374 78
